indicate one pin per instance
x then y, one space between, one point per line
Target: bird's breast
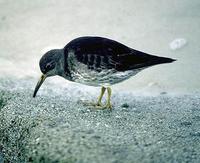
81 74
83 71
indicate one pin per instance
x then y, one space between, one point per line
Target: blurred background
165 28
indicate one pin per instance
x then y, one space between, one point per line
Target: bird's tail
138 59
151 60
160 60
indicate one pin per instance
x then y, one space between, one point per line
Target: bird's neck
62 67
60 62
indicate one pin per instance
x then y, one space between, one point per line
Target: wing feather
102 53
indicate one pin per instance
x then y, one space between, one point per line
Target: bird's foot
98 105
108 106
93 105
102 107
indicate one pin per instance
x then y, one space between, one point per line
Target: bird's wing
102 53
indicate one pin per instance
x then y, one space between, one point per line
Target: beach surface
56 126
156 114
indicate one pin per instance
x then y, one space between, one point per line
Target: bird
96 61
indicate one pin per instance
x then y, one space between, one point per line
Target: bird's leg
98 104
108 103
100 96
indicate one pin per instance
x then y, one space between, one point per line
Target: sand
57 127
156 113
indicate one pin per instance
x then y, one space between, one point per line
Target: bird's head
49 66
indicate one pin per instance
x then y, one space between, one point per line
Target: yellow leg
100 97
108 103
99 105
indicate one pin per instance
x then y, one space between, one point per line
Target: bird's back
97 45
99 52
101 60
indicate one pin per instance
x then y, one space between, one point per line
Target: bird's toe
108 106
97 106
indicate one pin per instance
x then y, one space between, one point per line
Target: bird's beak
42 78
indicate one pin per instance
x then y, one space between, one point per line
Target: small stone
117 116
37 140
106 125
97 124
125 105
163 93
186 123
195 134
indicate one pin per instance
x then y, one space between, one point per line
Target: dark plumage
110 54
96 61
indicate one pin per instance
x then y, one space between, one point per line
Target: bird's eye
49 66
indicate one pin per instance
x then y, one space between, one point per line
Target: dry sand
56 127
